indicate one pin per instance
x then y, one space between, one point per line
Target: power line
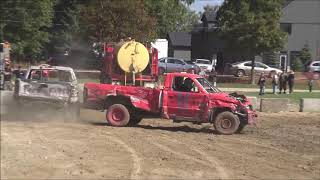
27 9
15 21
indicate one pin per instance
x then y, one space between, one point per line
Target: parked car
170 64
313 66
206 64
244 69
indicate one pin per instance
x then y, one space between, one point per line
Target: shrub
297 64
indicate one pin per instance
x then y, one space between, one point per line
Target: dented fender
140 103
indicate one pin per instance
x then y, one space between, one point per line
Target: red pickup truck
183 97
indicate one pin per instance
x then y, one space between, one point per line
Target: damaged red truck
183 97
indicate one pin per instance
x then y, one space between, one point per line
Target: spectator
275 82
202 73
19 73
291 81
283 82
213 77
310 84
262 83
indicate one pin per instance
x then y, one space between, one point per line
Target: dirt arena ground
283 146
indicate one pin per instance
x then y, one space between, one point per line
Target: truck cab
190 97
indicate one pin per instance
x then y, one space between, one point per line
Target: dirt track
285 145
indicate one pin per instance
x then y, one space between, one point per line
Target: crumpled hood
229 97
222 96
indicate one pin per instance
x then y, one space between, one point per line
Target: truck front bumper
250 117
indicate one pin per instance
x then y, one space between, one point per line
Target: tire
226 123
118 115
161 71
135 121
240 128
240 73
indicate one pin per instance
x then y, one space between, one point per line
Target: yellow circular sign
133 57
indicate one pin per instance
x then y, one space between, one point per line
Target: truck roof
63 68
185 75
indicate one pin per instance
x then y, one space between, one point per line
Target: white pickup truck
49 86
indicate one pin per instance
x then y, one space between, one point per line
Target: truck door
184 102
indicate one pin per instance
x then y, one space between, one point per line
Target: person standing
262 83
310 85
213 77
202 73
283 82
275 82
291 81
19 73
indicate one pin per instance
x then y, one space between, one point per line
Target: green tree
252 26
270 58
297 64
25 24
305 54
65 25
172 15
108 20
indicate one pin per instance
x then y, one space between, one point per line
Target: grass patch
294 97
84 80
303 85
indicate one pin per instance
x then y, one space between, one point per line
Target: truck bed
146 99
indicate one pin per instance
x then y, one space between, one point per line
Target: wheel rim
240 73
226 123
117 115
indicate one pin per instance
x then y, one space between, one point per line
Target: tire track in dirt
136 167
217 164
220 169
242 141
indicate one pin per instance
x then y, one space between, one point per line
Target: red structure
111 72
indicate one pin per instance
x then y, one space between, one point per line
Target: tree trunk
252 70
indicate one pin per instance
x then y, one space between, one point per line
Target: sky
199 4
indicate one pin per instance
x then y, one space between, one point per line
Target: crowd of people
280 82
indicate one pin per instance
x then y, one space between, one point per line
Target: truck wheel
240 128
135 121
240 73
118 115
226 123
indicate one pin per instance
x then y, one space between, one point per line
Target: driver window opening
183 84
